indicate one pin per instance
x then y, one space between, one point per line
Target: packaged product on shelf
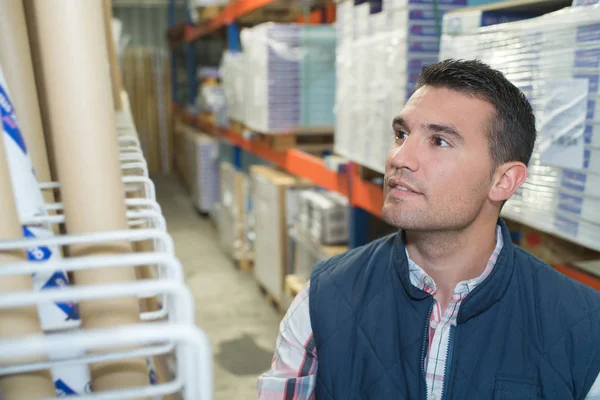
30 204
289 77
202 169
555 60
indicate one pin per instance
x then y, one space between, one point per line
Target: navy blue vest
526 332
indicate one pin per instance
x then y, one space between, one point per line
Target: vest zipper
448 364
425 347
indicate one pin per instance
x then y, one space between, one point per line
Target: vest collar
483 296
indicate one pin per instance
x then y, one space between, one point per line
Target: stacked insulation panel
289 77
555 61
381 50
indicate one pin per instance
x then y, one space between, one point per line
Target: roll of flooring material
15 58
30 204
77 91
115 72
22 321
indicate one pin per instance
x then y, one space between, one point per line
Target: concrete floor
241 325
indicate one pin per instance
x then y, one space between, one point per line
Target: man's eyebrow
401 122
443 128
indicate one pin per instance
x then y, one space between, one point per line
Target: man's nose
406 155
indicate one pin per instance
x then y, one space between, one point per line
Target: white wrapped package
289 74
555 61
30 204
232 71
375 77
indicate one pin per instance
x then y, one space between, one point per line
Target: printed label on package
587 58
588 33
570 203
416 46
587 154
587 134
590 109
566 225
420 30
573 180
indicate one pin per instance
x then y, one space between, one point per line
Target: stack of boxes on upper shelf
284 79
554 59
289 77
382 47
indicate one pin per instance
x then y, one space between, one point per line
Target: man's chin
401 219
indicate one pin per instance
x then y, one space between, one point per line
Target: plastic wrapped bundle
289 77
379 57
232 71
555 61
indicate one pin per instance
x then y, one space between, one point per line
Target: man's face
439 170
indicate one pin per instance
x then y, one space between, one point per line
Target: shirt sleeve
293 371
594 393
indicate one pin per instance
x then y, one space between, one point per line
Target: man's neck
450 257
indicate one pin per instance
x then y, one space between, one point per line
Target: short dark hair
512 130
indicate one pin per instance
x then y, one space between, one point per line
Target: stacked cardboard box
289 77
202 159
555 61
268 192
382 48
324 215
233 213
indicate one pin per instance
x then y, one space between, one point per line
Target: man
447 308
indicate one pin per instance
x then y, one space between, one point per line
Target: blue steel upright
172 23
191 66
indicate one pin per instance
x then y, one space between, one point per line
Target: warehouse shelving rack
365 197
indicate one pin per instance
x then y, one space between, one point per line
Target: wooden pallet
276 11
311 140
294 284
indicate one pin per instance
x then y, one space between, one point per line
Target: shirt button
433 397
434 324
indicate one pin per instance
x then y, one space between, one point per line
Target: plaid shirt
294 368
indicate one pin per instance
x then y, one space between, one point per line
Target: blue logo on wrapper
41 253
62 389
57 280
9 120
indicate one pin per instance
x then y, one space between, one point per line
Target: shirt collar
422 281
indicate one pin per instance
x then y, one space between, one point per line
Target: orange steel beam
294 161
227 16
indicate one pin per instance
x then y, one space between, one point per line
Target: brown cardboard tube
115 72
23 321
77 88
15 58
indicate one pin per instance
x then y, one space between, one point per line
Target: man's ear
507 178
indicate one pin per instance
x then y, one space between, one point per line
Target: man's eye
438 141
401 135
